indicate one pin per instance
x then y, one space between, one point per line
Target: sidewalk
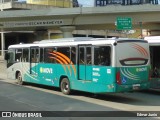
3 71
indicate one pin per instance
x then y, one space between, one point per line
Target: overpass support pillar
2 44
67 31
40 34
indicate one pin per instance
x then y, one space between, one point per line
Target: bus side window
41 55
73 55
88 55
18 55
34 55
50 55
11 56
106 56
81 56
37 55
25 57
102 55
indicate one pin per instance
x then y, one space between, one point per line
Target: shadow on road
139 98
145 97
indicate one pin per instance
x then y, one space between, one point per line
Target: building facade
56 3
124 2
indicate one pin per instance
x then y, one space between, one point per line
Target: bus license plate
136 86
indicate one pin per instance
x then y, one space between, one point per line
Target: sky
86 3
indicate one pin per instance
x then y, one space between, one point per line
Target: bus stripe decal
67 59
64 56
74 69
128 75
144 50
63 60
131 75
140 49
25 66
60 63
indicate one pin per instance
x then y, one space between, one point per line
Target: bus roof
75 41
153 40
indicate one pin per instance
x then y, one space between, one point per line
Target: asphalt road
18 98
30 99
25 98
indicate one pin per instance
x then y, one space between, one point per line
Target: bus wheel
19 79
65 86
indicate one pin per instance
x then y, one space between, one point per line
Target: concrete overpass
96 18
144 16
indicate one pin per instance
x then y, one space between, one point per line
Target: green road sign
124 23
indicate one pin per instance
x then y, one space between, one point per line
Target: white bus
86 64
154 44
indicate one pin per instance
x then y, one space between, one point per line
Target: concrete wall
57 3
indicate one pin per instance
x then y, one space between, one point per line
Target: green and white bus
96 65
154 45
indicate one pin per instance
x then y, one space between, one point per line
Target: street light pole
140 23
2 33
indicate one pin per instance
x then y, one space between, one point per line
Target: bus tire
19 79
65 86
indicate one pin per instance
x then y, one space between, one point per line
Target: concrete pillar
48 35
106 33
2 44
39 34
67 31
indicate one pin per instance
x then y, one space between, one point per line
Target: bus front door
85 63
34 59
